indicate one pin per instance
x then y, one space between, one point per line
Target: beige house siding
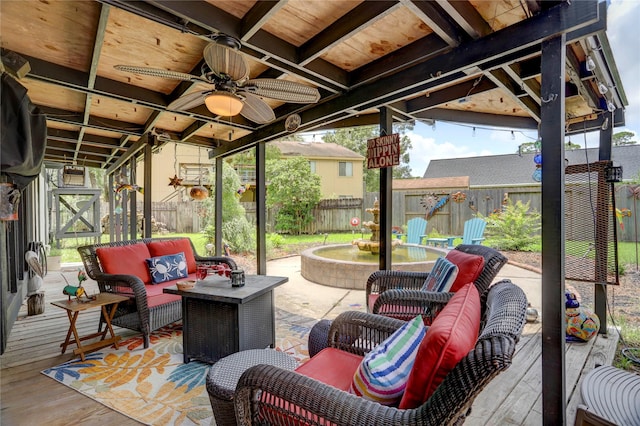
332 185
169 161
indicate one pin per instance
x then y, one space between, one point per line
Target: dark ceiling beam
92 140
93 69
450 94
100 123
260 13
272 50
82 154
597 123
352 121
61 156
359 18
467 17
132 151
418 51
530 86
146 129
478 118
515 92
435 18
521 36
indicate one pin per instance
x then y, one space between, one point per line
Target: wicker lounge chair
271 395
137 314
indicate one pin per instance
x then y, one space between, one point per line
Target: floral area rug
154 386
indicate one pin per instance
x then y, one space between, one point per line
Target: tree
356 138
533 147
624 138
236 229
295 190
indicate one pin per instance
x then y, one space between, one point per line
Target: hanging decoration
199 192
537 159
433 204
175 181
130 188
458 197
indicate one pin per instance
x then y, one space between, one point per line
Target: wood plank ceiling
474 61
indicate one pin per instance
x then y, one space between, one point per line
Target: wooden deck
28 397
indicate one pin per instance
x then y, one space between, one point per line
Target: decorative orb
532 313
537 175
199 193
537 159
582 323
118 210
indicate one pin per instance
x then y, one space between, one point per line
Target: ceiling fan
224 85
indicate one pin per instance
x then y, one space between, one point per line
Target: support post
133 202
553 231
218 207
600 288
261 209
146 221
386 182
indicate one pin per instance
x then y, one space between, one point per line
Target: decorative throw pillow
441 277
449 339
383 373
469 267
164 247
167 268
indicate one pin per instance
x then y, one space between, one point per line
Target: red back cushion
162 248
128 260
449 339
469 267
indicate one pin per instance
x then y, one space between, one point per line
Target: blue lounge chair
472 234
416 229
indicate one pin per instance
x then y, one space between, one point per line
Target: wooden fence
335 215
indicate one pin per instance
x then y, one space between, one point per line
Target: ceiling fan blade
156 72
224 60
283 90
188 101
256 110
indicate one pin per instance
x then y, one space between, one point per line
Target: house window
345 168
312 165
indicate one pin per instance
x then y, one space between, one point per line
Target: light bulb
474 132
513 136
610 106
590 65
602 88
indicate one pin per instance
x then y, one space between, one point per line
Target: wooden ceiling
471 61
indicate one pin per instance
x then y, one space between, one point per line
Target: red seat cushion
128 260
469 267
332 367
449 339
162 248
161 299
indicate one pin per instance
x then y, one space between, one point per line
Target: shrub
515 227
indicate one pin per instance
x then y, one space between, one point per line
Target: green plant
276 240
295 190
515 227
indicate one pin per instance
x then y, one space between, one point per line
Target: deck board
513 397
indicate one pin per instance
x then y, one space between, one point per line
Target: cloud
425 149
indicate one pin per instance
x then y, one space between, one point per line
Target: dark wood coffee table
219 320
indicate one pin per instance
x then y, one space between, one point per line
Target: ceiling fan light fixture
224 104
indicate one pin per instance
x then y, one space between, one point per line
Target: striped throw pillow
441 277
383 373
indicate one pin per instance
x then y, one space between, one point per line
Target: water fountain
372 245
345 266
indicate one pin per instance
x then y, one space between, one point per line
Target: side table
224 375
74 307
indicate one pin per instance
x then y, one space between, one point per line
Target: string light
610 106
433 125
590 64
473 133
513 136
602 88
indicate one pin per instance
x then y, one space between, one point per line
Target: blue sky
449 140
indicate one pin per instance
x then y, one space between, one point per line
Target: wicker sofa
270 395
148 308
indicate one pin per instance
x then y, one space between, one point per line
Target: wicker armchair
269 395
383 281
136 314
